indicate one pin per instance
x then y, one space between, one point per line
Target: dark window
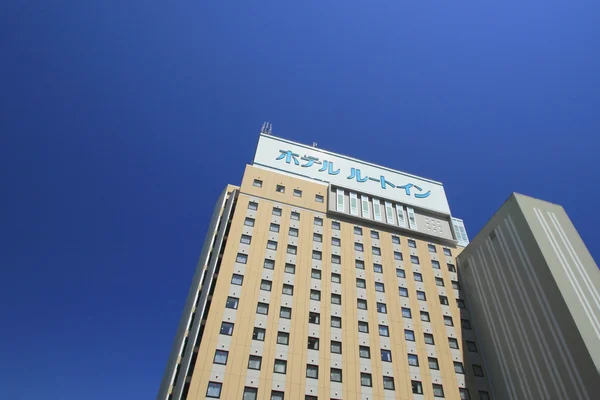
226 328
258 334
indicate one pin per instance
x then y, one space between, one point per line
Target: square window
418 277
417 388
313 343
335 225
258 334
245 239
376 251
291 249
318 221
363 327
319 198
360 264
451 268
388 383
237 279
315 295
364 352
283 338
464 394
336 322
435 264
403 291
335 375
438 390
453 343
421 295
336 347
274 227
412 243
465 324
257 183
336 278
262 308
374 235
409 335
221 357
232 302
358 231
214 390
379 287
429 339
484 395
439 282
253 206
425 316
315 273
276 395
271 245
295 216
471 346
398 256
381 308
288 289
395 239
378 268
312 371
458 367
250 393
293 232
280 367
335 259
361 283
414 260
406 313
290 268
226 328
386 355
335 242
477 370
285 312
316 255
277 211
433 363
336 299
431 248
413 360
400 273
297 193
269 264
241 258
317 237
444 300
358 246
455 285
460 303
249 222
280 188
365 380
447 252
314 318
254 362
384 331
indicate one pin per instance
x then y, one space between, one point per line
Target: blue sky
121 122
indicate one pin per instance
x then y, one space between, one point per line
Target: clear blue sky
121 122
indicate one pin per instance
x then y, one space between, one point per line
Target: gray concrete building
531 288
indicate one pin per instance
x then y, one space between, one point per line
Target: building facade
326 277
532 287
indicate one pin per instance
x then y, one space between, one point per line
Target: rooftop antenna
314 144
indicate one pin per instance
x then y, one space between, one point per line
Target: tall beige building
533 289
327 277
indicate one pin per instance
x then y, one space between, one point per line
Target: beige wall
235 374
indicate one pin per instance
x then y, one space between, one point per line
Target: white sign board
311 162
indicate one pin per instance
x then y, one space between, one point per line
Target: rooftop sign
311 162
